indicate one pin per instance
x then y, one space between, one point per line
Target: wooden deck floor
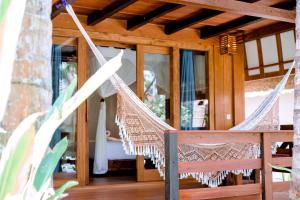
118 188
126 188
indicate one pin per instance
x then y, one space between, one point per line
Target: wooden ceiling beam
197 18
139 21
211 31
242 8
100 15
58 7
269 30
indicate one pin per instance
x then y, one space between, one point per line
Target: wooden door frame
144 174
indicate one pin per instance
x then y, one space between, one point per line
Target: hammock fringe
131 148
159 161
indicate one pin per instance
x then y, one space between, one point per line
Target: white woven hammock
142 131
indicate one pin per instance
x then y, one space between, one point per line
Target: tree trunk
295 186
31 89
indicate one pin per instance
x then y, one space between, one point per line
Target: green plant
27 162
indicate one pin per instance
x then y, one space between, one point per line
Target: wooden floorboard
126 188
113 190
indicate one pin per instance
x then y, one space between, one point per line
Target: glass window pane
269 50
288 45
157 84
200 112
252 54
254 72
271 69
64 70
194 103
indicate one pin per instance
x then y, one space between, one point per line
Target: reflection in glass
193 90
64 70
157 84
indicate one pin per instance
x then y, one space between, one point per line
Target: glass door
64 70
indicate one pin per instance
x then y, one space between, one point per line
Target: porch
220 88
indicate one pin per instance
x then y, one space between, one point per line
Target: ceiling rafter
100 15
211 31
242 8
139 21
201 16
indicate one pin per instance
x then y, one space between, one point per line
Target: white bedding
115 151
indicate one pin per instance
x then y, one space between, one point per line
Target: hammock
142 132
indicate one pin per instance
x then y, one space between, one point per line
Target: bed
112 158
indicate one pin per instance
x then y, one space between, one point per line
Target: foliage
27 164
3 8
186 114
155 102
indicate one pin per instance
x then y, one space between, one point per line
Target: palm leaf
3 8
16 158
48 164
62 189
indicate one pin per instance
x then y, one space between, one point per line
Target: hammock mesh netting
142 132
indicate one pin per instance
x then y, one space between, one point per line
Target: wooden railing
265 188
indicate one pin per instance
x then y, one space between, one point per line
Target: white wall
286 104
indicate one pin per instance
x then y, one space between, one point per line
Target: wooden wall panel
219 89
229 89
238 85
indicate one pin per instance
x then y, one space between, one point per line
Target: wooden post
140 93
171 166
82 141
267 169
175 88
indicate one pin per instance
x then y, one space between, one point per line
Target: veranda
232 43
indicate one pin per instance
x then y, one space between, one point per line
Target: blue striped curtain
187 88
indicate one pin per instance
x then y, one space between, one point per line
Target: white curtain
101 162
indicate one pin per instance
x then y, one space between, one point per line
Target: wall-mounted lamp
228 44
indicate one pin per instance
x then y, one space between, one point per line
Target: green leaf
3 8
62 189
48 164
17 165
63 97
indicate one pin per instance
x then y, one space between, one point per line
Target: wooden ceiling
211 18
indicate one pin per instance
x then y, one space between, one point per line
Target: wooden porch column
171 169
175 88
140 93
82 141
